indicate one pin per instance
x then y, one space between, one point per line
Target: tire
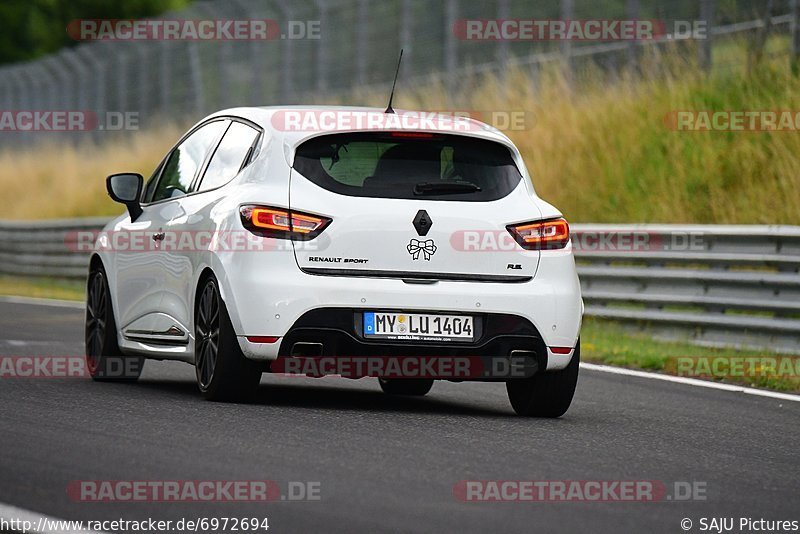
104 359
545 394
223 373
416 387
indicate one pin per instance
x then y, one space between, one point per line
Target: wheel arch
95 261
218 268
204 275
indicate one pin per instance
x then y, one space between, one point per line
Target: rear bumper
326 333
269 299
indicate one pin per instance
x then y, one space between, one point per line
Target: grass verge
49 288
609 343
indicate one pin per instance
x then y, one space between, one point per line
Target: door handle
158 236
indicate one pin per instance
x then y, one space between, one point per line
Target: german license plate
418 326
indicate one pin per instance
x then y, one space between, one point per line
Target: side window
229 156
183 162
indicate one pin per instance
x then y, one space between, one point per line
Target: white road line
18 518
43 302
691 382
589 366
28 342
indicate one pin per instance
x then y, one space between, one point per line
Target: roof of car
295 124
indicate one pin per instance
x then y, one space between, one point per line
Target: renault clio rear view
394 240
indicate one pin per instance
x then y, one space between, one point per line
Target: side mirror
126 188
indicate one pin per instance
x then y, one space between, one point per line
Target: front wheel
545 394
223 372
406 386
104 359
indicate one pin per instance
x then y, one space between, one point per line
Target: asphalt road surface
383 463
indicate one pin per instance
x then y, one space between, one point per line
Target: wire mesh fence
323 49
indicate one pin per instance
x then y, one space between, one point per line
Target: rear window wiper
443 188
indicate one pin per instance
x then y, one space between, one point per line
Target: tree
32 28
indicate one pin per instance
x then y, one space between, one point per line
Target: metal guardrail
730 285
44 248
727 285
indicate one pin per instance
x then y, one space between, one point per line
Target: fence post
759 40
164 78
322 50
122 83
16 88
406 40
362 45
704 48
632 13
196 78
94 65
794 58
18 85
80 101
143 104
255 65
224 59
501 53
5 91
4 95
567 13
286 55
450 44
61 98
26 86
257 97
48 98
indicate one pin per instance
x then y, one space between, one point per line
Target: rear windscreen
409 166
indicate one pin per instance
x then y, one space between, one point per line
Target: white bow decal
427 248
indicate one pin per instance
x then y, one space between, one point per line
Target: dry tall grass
66 180
607 154
603 155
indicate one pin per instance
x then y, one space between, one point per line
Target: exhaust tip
523 363
306 349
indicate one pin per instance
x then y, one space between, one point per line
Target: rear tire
104 359
223 373
545 394
416 387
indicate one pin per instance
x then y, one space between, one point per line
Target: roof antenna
391 96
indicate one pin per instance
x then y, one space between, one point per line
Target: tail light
541 235
262 339
282 223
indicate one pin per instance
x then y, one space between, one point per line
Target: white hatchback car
271 236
